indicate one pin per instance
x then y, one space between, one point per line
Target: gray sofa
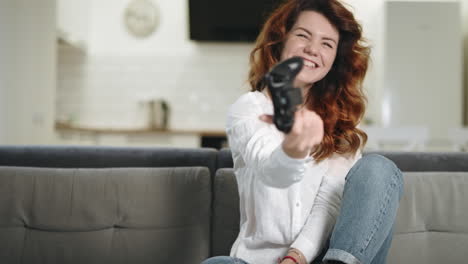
157 205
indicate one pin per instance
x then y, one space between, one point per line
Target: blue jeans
364 229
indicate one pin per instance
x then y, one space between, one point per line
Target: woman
308 196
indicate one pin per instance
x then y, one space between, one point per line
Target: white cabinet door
423 66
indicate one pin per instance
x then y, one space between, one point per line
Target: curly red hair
338 98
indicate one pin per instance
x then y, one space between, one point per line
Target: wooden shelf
203 133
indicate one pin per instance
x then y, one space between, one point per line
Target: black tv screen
229 21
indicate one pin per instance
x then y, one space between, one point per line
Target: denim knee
223 260
376 170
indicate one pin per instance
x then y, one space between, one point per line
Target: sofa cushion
226 215
431 224
111 215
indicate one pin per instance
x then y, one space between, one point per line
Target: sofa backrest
106 157
224 159
106 215
431 224
406 161
428 161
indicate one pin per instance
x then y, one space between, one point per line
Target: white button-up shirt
284 202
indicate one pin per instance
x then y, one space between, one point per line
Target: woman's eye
328 44
301 36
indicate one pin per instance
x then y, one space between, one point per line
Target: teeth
309 64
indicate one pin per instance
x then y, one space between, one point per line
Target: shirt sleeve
257 145
321 220
325 210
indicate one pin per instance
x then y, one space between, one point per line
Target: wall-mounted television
228 21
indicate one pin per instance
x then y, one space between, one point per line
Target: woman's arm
325 210
321 220
258 145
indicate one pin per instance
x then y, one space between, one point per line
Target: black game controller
285 97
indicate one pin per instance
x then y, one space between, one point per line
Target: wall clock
141 18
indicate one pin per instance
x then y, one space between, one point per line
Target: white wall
73 20
5 68
109 39
108 35
465 48
27 71
370 13
104 87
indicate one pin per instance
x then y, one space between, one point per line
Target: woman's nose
311 48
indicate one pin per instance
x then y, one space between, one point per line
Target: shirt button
298 204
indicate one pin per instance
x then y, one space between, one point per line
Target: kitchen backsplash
113 91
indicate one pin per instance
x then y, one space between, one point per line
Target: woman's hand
287 261
305 135
296 254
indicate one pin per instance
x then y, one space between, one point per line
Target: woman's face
314 39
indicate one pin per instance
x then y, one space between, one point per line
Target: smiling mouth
310 64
